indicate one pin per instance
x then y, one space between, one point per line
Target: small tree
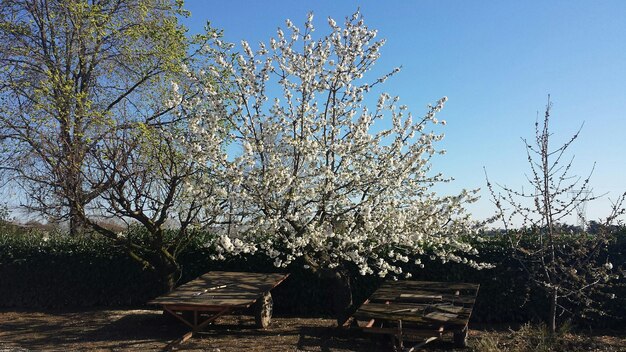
146 173
319 170
563 263
146 179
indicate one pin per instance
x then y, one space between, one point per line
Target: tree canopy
317 168
71 71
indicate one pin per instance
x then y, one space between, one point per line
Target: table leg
195 327
178 317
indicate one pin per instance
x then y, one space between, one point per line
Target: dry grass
536 338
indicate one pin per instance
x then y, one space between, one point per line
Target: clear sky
496 61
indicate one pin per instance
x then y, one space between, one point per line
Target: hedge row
58 271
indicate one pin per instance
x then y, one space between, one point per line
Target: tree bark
341 295
76 224
552 318
168 276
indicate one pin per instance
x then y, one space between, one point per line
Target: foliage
52 270
71 71
316 173
564 265
4 214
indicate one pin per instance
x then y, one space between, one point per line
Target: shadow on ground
115 330
146 330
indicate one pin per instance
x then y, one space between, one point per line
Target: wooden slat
395 296
411 309
409 313
452 309
426 308
432 285
406 332
418 297
427 290
442 317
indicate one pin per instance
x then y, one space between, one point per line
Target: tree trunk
168 276
75 222
552 318
341 295
75 197
168 281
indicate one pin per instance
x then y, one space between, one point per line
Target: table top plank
395 312
222 288
440 287
396 296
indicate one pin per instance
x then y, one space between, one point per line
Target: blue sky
496 61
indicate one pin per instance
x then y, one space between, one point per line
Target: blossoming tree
320 170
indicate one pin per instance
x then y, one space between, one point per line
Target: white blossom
311 171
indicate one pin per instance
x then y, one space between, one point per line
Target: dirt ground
148 330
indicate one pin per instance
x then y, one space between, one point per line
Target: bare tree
565 264
149 177
71 71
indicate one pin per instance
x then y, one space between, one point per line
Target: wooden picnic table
418 311
218 293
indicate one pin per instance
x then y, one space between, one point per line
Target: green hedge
35 272
58 271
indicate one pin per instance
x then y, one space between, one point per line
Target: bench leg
263 311
460 337
399 336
